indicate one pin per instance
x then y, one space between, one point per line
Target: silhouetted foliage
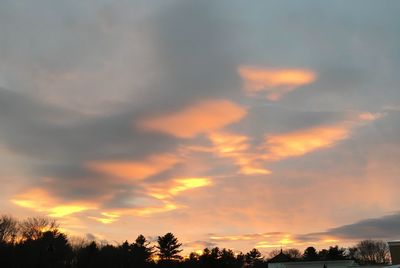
292 253
37 242
220 258
370 252
254 258
336 253
8 229
141 252
33 228
310 254
168 249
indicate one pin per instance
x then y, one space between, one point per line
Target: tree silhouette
253 258
336 253
87 256
33 228
370 252
293 253
310 254
169 248
227 258
37 242
8 229
141 251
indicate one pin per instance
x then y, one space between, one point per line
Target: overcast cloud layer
226 122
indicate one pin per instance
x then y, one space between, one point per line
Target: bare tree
8 229
33 228
293 253
371 252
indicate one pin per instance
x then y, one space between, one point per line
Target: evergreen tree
141 251
169 248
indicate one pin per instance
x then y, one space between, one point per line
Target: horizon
264 125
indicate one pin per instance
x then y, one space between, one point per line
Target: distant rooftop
281 257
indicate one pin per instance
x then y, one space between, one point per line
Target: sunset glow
276 82
237 125
213 115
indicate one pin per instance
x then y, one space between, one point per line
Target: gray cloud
200 243
386 228
75 77
58 142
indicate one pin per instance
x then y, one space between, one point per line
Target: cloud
155 198
254 236
201 117
134 170
107 217
41 201
303 141
370 116
199 245
237 147
74 100
275 82
297 143
167 206
176 186
386 228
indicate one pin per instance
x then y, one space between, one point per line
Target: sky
237 124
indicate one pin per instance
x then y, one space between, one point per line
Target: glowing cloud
261 240
237 147
201 117
281 146
41 201
135 170
166 206
107 217
189 183
177 186
370 116
275 82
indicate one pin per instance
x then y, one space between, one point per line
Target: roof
281 257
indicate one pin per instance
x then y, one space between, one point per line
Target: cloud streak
201 117
274 82
135 170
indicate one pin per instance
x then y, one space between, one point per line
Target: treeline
38 242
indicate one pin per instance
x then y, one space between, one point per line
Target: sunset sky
236 124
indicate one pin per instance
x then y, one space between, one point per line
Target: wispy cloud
303 141
134 170
238 148
297 143
201 117
385 227
176 186
274 82
40 200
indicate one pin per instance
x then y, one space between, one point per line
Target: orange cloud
297 143
162 193
370 116
107 217
166 206
201 117
177 186
41 201
281 146
276 82
237 147
135 170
